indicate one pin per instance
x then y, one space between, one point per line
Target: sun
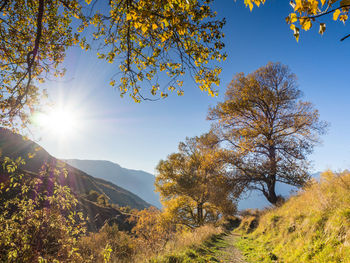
57 121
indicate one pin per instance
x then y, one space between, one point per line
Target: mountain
14 145
256 200
136 181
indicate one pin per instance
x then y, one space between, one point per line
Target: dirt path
230 253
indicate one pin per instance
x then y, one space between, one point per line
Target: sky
137 136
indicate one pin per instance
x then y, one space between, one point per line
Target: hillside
313 226
13 145
135 181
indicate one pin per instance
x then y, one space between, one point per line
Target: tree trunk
271 194
271 182
200 214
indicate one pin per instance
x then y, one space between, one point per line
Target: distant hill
136 181
256 200
13 145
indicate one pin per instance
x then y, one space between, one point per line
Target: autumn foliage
194 185
266 130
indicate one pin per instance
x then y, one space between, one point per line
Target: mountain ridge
136 181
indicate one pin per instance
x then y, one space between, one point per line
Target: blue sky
137 136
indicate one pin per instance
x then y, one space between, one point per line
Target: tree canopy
266 129
306 13
193 185
146 40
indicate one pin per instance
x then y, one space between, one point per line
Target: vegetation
118 244
151 241
38 220
267 130
200 245
193 185
262 135
313 226
307 13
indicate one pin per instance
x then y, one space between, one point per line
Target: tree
193 186
307 13
145 39
266 129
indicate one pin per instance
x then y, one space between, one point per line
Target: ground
228 252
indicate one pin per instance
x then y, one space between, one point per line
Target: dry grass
185 240
192 238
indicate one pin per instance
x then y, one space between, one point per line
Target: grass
313 226
202 245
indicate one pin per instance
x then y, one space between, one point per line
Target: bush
119 245
37 217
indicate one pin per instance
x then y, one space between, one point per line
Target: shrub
37 217
119 246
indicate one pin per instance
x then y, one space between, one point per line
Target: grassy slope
313 226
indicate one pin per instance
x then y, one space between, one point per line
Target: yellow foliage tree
267 130
194 185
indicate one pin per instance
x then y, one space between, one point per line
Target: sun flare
58 121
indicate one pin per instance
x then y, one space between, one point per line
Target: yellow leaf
306 25
154 26
144 28
293 17
250 6
298 5
336 14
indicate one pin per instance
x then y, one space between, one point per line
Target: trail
229 253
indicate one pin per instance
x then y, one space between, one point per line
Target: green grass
313 226
256 251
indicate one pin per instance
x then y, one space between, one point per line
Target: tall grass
127 248
313 226
179 249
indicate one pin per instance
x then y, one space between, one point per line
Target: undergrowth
202 250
